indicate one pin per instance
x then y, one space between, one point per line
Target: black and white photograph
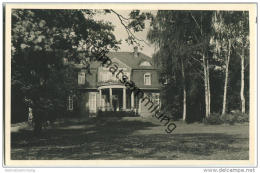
99 82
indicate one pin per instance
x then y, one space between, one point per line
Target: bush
213 119
229 118
116 114
242 117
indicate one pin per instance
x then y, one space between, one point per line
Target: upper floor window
147 79
81 78
106 76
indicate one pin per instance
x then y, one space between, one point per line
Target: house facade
101 90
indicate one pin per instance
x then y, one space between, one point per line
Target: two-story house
101 90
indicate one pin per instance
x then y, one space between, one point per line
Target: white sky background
121 34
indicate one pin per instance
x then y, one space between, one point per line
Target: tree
202 34
199 45
230 35
183 35
171 38
244 44
40 41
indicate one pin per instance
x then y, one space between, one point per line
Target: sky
120 32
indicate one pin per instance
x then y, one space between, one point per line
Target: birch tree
174 35
229 34
184 43
244 38
202 34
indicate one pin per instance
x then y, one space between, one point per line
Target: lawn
130 138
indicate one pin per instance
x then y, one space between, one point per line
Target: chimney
135 51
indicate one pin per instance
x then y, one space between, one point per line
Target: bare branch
196 22
122 17
197 60
128 30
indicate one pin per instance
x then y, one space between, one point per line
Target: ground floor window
92 102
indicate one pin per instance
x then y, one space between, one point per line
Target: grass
131 138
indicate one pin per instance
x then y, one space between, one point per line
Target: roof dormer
145 63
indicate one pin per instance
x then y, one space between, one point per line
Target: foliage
171 101
230 37
40 41
228 118
19 109
180 44
199 39
241 117
213 119
117 114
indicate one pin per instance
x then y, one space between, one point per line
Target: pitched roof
131 61
128 59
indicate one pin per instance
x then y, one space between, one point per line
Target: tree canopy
41 39
192 53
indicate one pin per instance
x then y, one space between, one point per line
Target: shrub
131 114
229 118
213 119
242 117
116 114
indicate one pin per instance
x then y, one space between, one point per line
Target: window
92 102
70 103
145 63
81 78
147 79
105 76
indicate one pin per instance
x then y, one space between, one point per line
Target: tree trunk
37 125
208 86
226 79
184 92
206 82
242 96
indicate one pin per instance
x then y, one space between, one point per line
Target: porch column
110 98
132 100
100 98
124 98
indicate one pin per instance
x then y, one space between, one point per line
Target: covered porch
116 98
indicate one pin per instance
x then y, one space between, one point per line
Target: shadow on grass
113 139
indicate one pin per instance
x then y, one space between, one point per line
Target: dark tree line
203 58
